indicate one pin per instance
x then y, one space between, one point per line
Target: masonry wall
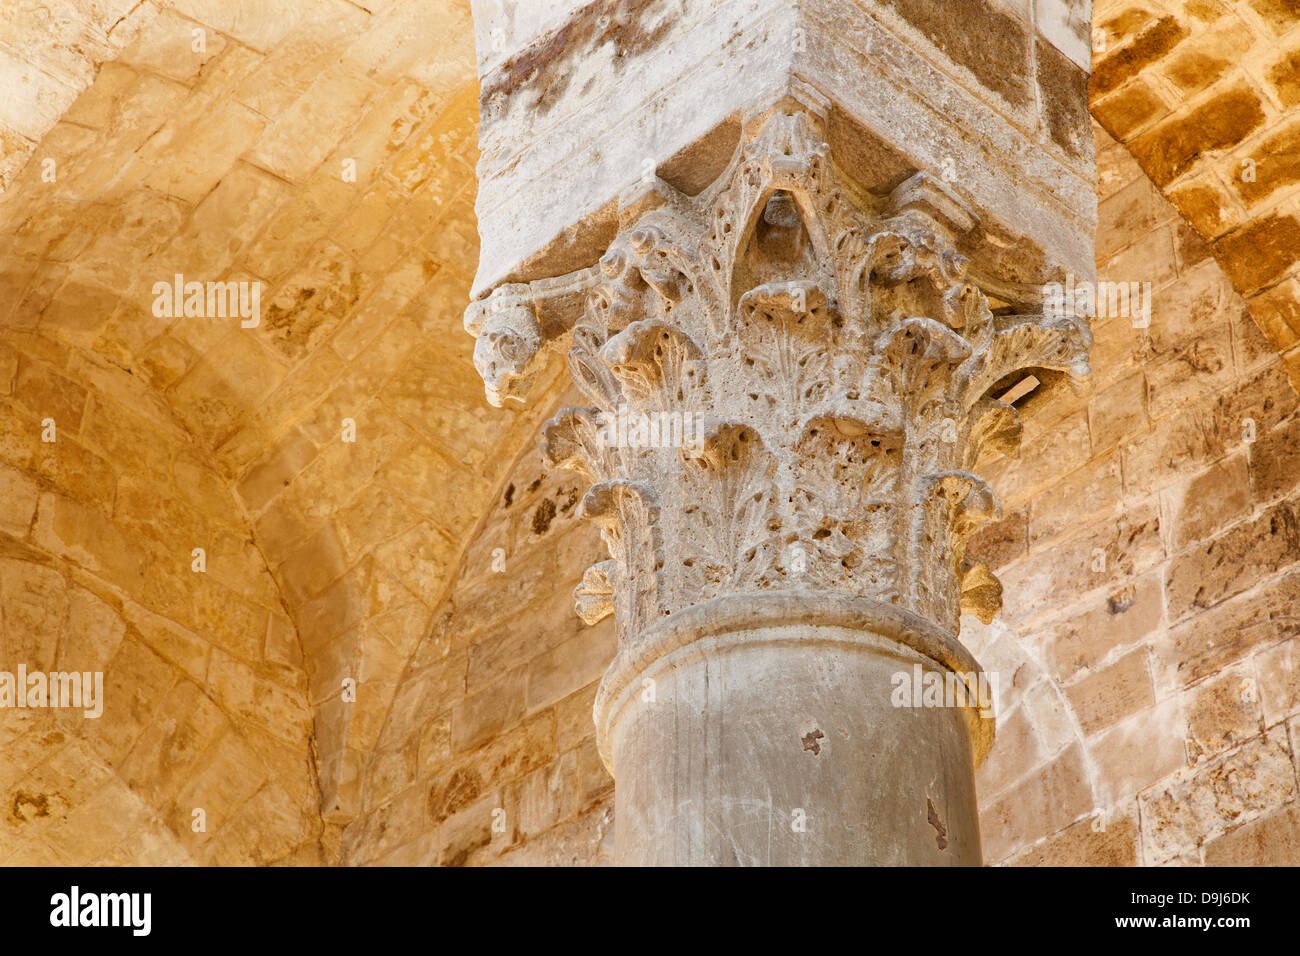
489 753
1206 95
1150 551
319 148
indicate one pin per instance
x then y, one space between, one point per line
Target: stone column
790 380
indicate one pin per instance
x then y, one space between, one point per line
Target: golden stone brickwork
1206 96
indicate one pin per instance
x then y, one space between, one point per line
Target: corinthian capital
790 381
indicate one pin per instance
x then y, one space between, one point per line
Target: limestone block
482 715
1201 802
1271 841
1230 631
1139 751
1232 562
1222 712
1116 621
1277 672
1110 842
1109 695
1045 803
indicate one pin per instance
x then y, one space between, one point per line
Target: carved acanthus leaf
981 591
1059 342
919 355
578 439
729 514
994 426
659 367
970 500
826 359
628 515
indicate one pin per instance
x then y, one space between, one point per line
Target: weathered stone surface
1154 42
1115 551
1278 681
1080 497
649 341
1001 541
1277 311
1063 97
1285 77
1122 618
1238 559
1201 802
1214 499
1138 752
1275 461
1109 695
1204 645
979 36
1117 411
1271 841
1096 842
1172 146
1278 166
1125 215
1261 252
1016 751
1222 712
1044 804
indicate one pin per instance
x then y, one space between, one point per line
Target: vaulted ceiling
327 150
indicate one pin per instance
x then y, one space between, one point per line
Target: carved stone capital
790 381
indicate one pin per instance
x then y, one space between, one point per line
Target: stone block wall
489 754
49 53
314 147
1150 550
1206 95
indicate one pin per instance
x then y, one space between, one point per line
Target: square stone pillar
579 101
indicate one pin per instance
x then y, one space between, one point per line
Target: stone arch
223 164
488 751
